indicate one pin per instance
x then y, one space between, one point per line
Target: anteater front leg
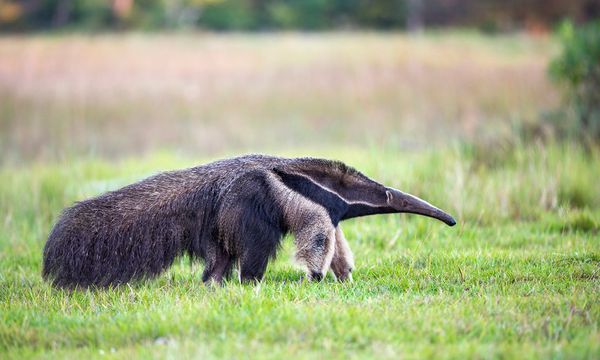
315 243
342 263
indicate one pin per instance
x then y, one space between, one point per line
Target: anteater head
363 195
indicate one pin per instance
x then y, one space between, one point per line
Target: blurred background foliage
488 15
578 69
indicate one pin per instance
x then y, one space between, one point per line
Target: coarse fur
228 213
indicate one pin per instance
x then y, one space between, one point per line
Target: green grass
518 277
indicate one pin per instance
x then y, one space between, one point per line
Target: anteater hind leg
260 244
218 266
342 263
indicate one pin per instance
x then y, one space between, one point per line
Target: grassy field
518 277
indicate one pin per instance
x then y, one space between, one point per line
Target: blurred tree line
488 15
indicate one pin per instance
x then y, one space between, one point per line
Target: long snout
407 203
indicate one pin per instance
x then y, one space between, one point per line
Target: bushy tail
91 248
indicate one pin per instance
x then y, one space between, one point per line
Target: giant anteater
229 212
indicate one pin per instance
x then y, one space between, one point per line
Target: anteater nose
451 221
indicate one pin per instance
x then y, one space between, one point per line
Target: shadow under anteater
232 212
